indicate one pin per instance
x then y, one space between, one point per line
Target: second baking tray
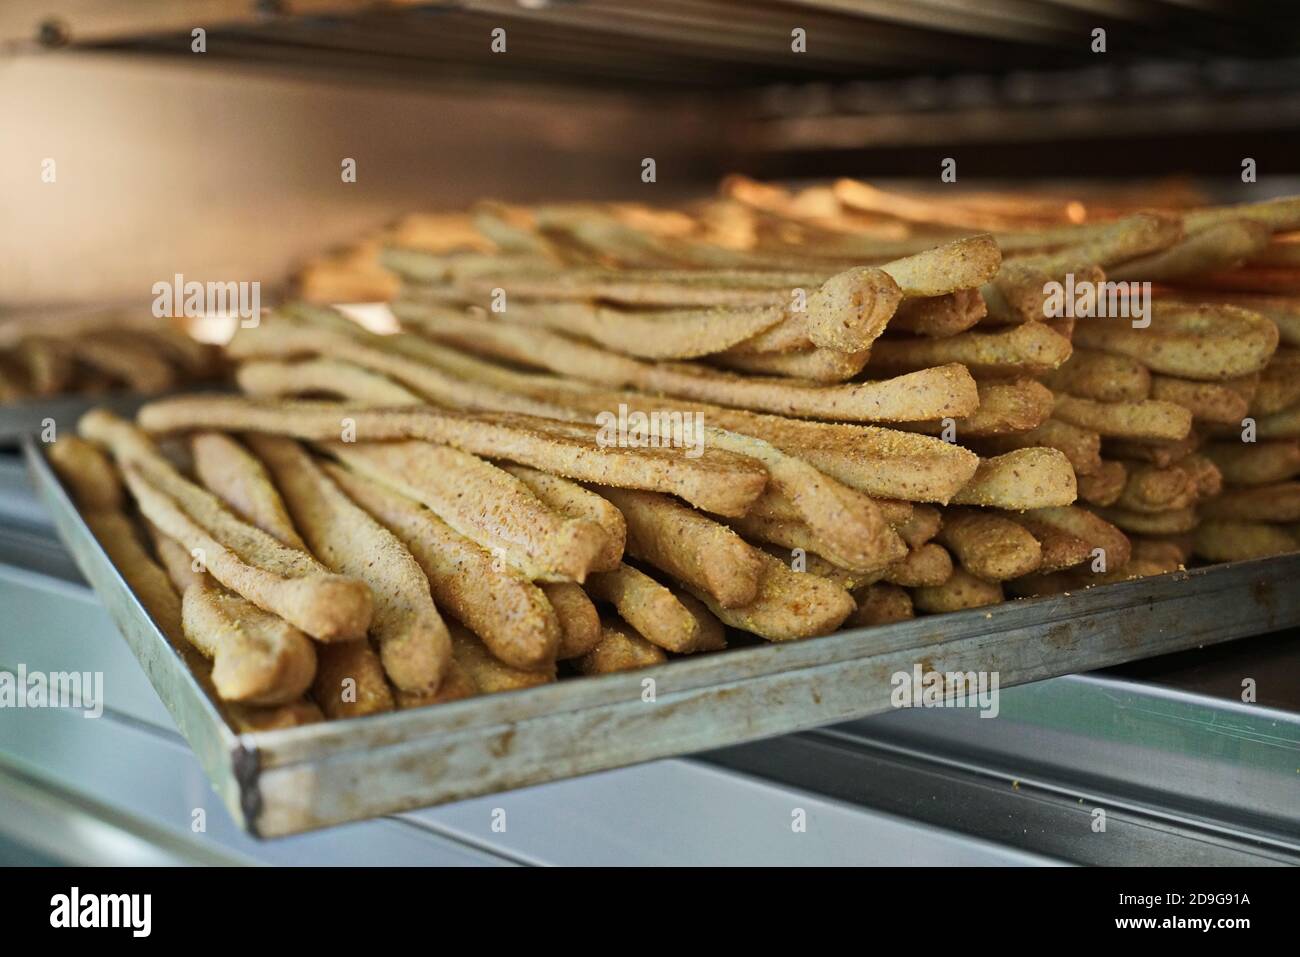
283 782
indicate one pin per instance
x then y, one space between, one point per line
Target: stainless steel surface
1176 778
30 417
284 782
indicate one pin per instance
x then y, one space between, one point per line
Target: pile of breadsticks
98 353
609 434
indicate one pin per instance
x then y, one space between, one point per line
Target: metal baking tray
27 417
284 782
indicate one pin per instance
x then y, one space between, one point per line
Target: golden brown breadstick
579 620
414 646
1279 383
927 564
1191 340
849 311
1082 447
880 604
939 316
1102 377
1207 401
718 481
1256 463
47 364
815 364
1104 485
327 607
961 590
134 363
988 545
489 674
182 567
788 605
1223 540
677 333
1006 407
350 680
1025 478
654 611
1150 488
1218 246
484 503
236 477
86 471
697 551
1278 502
929 393
1162 452
1087 526
494 599
1031 348
1058 549
874 460
257 657
920 525
271 378
1147 419
570 499
620 649
962 264
149 583
1170 522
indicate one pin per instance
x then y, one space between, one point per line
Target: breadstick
1207 401
1222 540
489 674
989 546
257 657
929 393
1025 478
654 611
1147 419
270 378
1256 463
1031 348
485 504
570 499
620 649
717 481
579 620
962 590
236 477
1278 502
495 600
1104 485
927 564
414 646
699 552
1087 526
350 681
87 473
787 606
1219 246
940 316
1102 377
881 604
